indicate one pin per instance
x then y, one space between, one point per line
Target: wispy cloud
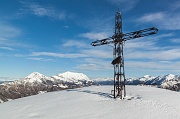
148 43
3 39
177 40
127 4
76 43
164 20
94 36
88 67
95 64
172 54
52 54
175 5
41 59
8 31
7 48
43 11
152 17
97 53
153 65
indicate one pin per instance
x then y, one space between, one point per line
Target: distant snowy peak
146 77
103 79
74 76
169 77
36 75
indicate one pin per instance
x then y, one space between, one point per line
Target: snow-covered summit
36 77
74 76
146 77
169 77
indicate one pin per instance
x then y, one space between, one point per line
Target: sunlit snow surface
95 102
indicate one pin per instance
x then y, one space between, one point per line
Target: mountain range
36 83
168 81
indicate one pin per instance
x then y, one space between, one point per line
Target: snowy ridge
168 81
36 83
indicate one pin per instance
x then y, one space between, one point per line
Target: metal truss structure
118 39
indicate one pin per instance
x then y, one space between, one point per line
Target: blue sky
54 36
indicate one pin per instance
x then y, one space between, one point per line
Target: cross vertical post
118 62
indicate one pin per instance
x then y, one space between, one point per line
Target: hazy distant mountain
37 83
168 81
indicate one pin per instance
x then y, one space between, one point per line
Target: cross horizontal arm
127 36
139 33
102 42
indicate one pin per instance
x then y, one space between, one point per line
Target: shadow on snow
106 95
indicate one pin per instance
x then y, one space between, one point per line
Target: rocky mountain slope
36 83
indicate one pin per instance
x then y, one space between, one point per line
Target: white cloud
175 40
94 36
152 17
146 43
2 39
52 54
172 54
7 34
8 31
164 20
98 53
175 5
75 43
127 4
42 11
40 59
139 44
7 48
95 64
88 67
66 26
153 65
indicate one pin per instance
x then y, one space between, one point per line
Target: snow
141 102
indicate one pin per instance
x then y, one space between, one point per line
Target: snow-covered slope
142 102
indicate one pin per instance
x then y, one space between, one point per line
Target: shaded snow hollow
94 102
